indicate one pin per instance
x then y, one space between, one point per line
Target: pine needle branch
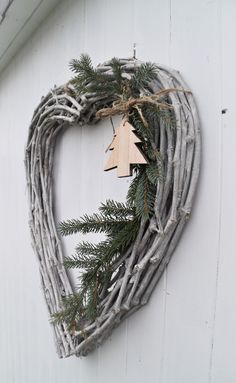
119 221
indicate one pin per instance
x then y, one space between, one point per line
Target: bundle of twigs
142 265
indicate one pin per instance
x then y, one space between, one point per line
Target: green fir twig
119 222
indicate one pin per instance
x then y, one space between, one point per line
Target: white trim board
20 21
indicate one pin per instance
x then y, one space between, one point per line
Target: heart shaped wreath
154 99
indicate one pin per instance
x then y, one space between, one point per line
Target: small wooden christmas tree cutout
125 152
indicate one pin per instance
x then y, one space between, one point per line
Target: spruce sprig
143 75
89 80
118 221
111 217
72 308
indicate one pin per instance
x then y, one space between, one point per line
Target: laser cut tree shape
125 152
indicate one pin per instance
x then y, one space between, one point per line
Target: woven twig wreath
144 262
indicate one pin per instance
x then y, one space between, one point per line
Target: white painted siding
187 333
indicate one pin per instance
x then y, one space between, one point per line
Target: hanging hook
134 50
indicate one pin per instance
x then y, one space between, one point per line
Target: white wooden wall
187 333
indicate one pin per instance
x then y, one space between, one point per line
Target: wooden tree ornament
125 152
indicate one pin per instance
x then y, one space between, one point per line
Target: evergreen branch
141 193
90 80
117 71
73 307
167 117
144 74
88 248
92 300
99 256
116 209
86 255
112 215
83 67
154 172
119 221
95 223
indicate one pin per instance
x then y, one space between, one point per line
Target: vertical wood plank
223 361
146 333
191 283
